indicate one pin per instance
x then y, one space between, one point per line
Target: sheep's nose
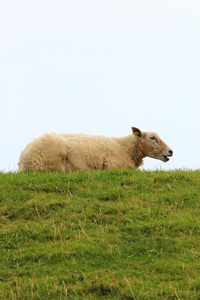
170 152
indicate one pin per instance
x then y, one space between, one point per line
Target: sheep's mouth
165 158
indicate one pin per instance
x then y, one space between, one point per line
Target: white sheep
67 152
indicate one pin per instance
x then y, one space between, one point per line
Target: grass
117 234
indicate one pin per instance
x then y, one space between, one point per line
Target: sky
100 67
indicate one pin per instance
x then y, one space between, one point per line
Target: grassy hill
117 234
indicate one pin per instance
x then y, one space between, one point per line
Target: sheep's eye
153 138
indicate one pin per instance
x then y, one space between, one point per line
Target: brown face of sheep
152 145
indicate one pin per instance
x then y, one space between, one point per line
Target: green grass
118 234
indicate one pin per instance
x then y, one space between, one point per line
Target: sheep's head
152 145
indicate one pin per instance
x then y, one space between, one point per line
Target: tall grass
117 234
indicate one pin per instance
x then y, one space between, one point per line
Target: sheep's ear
136 131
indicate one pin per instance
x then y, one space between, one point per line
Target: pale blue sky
100 67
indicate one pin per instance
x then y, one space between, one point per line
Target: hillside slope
118 234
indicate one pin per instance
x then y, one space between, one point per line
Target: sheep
68 152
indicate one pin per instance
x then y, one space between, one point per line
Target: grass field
117 234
